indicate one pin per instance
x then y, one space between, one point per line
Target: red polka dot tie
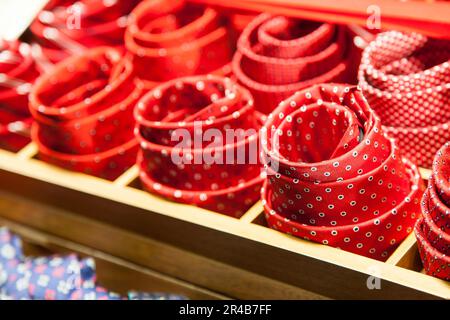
17 73
169 39
406 79
334 176
83 111
186 153
433 230
64 28
278 56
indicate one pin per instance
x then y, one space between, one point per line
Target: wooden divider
239 258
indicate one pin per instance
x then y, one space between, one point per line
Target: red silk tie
406 79
340 180
433 230
65 28
169 39
277 56
196 107
17 73
83 111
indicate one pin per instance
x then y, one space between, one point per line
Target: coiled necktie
186 154
170 39
406 79
65 28
277 56
433 230
17 73
83 111
334 176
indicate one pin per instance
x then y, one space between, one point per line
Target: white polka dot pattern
433 230
194 105
406 79
341 180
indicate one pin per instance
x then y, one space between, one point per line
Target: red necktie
65 28
340 180
278 56
169 39
17 73
433 230
196 107
406 79
83 111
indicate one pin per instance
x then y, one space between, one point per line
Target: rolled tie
277 56
65 28
83 110
333 175
199 143
170 39
406 79
433 230
18 71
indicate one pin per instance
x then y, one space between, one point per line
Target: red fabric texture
83 110
65 28
192 105
406 79
433 230
170 39
17 73
341 180
277 56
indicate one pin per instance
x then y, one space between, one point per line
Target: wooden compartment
238 258
143 242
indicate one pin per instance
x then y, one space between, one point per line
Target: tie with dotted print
433 229
277 56
64 28
406 79
186 154
83 111
17 73
169 39
334 177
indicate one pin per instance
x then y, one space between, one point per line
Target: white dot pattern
433 230
406 79
348 183
186 104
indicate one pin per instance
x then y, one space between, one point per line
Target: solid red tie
17 73
65 28
196 108
277 56
406 79
433 230
169 39
338 178
83 111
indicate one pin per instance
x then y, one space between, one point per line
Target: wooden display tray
113 273
238 258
